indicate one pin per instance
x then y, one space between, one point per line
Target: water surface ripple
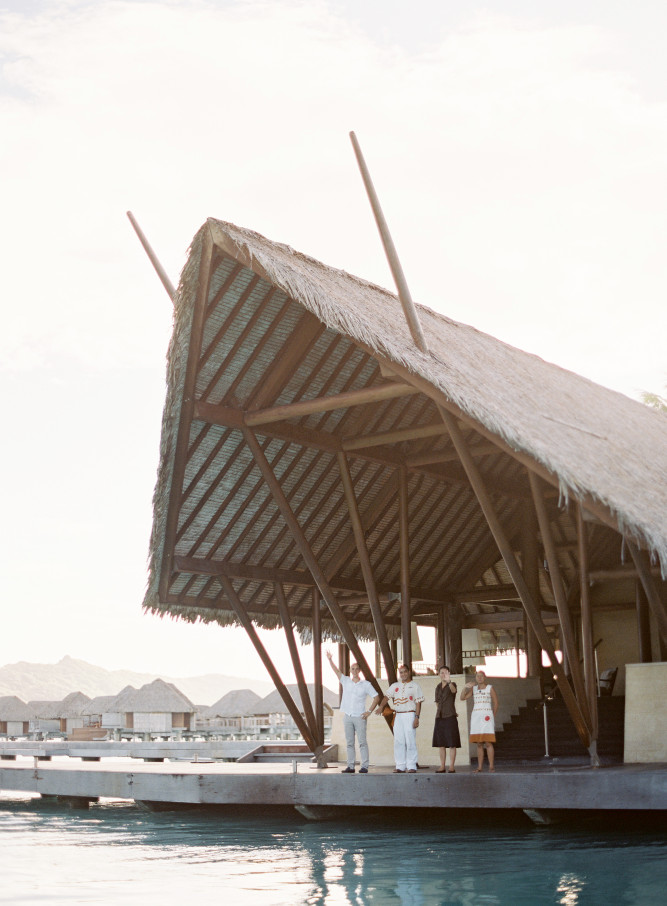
118 853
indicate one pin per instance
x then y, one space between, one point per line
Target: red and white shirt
404 696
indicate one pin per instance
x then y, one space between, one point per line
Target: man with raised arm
355 714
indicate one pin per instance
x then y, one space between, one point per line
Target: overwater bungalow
72 711
334 468
230 712
14 716
157 707
271 716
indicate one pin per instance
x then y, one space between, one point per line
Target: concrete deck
621 787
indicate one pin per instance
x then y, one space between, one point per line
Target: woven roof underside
226 518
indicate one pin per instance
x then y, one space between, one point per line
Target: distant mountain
55 681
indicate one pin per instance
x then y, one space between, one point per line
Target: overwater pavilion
320 472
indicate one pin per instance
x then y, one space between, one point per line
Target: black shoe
363 770
348 771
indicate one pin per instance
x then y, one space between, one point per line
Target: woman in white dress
482 719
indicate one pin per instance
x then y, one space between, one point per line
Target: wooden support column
317 666
296 661
643 625
454 623
343 666
530 565
517 648
656 604
366 567
588 648
309 557
404 557
662 644
531 607
441 641
570 652
243 618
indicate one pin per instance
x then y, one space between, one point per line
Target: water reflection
274 859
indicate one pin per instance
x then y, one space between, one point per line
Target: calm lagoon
117 853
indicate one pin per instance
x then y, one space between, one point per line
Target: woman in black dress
446 729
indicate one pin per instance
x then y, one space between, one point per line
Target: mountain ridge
53 682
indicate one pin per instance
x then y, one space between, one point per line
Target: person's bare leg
443 765
480 757
491 755
452 759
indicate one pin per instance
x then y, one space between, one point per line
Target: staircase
522 739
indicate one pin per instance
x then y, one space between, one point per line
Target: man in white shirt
355 713
406 698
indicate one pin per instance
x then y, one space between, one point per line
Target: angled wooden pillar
531 607
296 660
570 651
309 557
244 619
366 567
454 622
588 650
183 435
317 665
404 558
643 567
643 625
530 567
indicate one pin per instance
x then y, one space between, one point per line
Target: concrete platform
314 792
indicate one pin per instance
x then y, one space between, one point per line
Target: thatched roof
158 696
233 704
98 705
73 704
45 710
273 703
12 708
267 305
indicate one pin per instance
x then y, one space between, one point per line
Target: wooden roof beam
329 403
392 437
298 577
509 619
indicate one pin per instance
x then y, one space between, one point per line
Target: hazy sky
519 149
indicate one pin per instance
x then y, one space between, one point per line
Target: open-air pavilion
323 472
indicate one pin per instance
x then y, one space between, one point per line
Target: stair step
522 738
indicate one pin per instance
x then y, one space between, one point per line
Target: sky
519 150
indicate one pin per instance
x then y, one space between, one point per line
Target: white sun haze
520 165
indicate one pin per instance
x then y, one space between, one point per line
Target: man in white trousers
355 713
406 699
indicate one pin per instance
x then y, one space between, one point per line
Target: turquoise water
117 853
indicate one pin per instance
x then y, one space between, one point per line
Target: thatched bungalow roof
12 708
45 709
260 326
73 704
98 705
156 697
233 704
274 704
